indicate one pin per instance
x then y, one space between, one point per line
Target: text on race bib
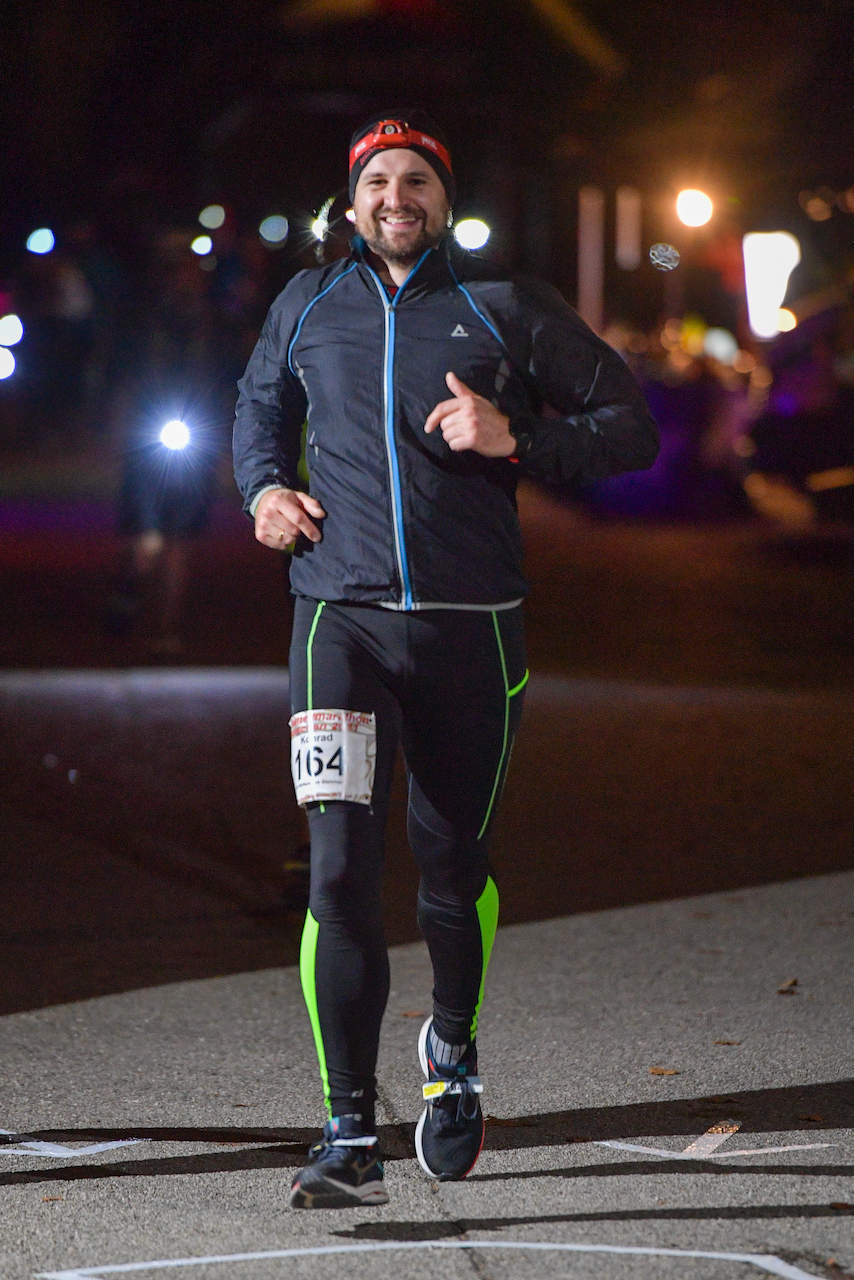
333 755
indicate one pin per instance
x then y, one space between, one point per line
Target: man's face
400 205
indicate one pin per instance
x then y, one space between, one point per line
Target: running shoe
449 1135
343 1171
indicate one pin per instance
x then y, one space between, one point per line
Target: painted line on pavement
769 1263
707 1146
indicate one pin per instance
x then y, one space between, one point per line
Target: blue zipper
391 448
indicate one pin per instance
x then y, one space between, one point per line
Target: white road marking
706 1146
768 1263
55 1150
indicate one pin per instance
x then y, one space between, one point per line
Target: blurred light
720 345
212 217
835 478
7 363
694 208
319 228
209 262
202 245
845 200
41 241
350 215
628 228
744 362
471 233
743 447
786 320
769 259
11 331
693 335
274 230
818 209
175 434
664 257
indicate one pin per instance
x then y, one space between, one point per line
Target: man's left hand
470 422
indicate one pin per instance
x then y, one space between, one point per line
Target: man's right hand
283 514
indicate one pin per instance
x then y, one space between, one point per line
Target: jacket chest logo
459 332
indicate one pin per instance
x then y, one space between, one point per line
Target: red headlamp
397 133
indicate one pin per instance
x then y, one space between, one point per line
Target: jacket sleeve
604 426
271 406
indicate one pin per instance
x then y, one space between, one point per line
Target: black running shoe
449 1135
343 1170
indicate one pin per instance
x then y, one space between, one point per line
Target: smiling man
423 377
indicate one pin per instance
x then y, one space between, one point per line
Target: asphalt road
743 999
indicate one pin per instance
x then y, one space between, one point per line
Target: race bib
333 755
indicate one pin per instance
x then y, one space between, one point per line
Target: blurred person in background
172 424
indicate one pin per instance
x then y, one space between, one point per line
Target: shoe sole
337 1195
419 1128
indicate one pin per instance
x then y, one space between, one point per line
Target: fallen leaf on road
788 988
727 1042
839 1204
47 1199
663 1071
412 1013
814 1119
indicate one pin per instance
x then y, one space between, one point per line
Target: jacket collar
431 274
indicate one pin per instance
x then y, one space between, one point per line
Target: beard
401 254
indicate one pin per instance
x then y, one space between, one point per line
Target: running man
422 376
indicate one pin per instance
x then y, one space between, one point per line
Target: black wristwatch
523 439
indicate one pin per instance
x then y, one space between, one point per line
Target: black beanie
409 128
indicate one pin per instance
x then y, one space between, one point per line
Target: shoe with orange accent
449 1135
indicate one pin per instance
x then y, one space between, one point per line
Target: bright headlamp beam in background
175 434
769 259
694 208
7 364
41 241
11 331
471 233
202 245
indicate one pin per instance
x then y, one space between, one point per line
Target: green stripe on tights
487 914
307 956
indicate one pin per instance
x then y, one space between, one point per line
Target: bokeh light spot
274 230
694 208
786 320
41 241
212 216
11 330
471 233
720 345
202 245
7 363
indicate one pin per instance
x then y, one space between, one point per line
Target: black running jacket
409 524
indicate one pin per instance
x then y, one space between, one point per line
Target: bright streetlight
694 208
202 245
